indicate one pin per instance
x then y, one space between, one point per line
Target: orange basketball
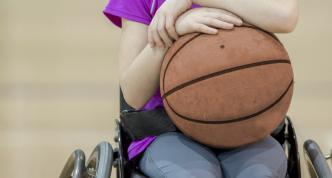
227 90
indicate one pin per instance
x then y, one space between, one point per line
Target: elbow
288 20
132 100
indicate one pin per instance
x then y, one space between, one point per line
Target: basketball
227 90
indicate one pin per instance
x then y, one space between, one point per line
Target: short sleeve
135 10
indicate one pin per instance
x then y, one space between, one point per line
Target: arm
139 64
276 16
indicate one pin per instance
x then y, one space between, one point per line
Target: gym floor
59 88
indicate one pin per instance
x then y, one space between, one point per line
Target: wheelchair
103 158
316 161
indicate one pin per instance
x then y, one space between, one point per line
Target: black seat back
123 104
126 140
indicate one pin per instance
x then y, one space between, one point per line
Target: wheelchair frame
103 158
285 136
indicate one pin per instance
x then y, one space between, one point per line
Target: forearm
141 79
276 16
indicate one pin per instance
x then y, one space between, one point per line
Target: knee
153 165
175 155
262 159
264 171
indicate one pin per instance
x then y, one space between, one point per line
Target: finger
151 42
212 22
162 31
204 29
171 37
170 27
156 37
223 12
150 29
224 17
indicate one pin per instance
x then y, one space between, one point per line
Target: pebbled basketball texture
227 90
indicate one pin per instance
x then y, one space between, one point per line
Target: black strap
146 123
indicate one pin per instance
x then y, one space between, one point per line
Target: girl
149 28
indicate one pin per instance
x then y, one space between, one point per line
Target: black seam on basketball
192 137
223 72
189 134
175 54
265 32
234 120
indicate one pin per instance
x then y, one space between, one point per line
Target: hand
204 19
161 28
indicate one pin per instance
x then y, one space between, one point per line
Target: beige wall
59 85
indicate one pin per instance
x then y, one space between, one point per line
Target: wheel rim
74 165
99 164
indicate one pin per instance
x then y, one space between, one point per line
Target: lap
175 155
266 156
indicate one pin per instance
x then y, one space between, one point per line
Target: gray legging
175 155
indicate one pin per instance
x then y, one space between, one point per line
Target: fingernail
162 48
229 25
214 31
170 45
239 22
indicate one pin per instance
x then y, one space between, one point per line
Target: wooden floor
59 89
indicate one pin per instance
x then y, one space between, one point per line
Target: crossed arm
140 64
276 16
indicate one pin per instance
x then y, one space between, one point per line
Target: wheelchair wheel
99 165
329 157
119 162
315 160
75 165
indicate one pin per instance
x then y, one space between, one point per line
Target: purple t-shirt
140 11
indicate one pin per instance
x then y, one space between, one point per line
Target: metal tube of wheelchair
75 165
329 156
